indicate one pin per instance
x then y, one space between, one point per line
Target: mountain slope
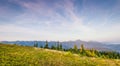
26 56
70 44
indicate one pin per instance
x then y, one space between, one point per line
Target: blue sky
97 20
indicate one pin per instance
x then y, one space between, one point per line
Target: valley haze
70 44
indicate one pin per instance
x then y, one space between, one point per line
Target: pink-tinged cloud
63 19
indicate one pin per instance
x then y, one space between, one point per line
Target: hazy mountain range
69 44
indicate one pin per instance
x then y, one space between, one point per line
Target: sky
88 20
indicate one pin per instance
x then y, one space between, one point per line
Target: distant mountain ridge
69 44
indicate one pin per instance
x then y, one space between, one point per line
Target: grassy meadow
14 55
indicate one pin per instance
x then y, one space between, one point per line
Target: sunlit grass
31 56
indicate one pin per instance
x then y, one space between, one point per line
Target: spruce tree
60 46
46 44
41 46
35 44
53 47
82 50
75 48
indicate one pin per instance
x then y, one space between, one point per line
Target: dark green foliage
90 53
111 55
60 46
75 48
35 44
82 51
46 45
41 46
53 47
94 53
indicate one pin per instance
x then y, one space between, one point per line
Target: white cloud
39 21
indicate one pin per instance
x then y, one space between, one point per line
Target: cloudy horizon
96 20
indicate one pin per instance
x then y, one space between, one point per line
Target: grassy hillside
31 56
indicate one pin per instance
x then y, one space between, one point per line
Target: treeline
57 46
94 53
82 51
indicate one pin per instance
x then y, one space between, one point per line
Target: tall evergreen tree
60 46
53 47
75 48
82 49
46 44
35 44
41 46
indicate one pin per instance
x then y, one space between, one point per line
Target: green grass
12 55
